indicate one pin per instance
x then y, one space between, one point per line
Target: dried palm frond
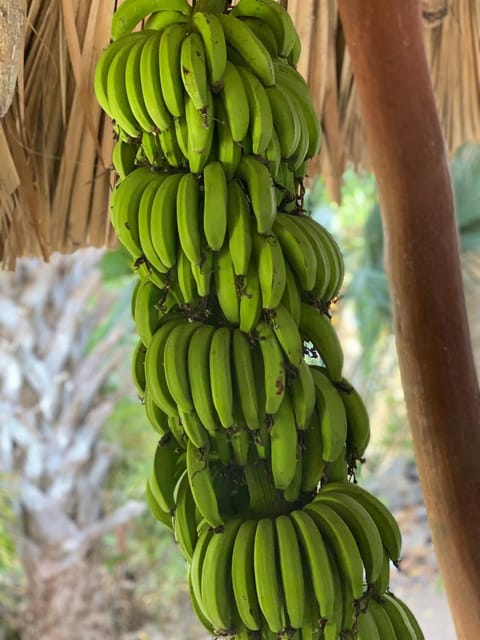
55 144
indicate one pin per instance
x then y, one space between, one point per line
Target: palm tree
53 405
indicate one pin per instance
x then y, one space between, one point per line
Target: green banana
193 427
193 69
411 618
171 41
201 127
134 88
177 431
145 211
215 205
325 276
131 12
150 83
181 133
123 158
157 512
163 220
157 418
273 368
235 102
261 118
264 33
138 368
386 523
252 50
203 272
210 29
124 208
261 191
291 296
331 412
243 576
150 151
289 78
317 328
364 529
201 484
196 565
286 120
199 376
333 254
160 20
271 269
384 625
170 148
245 382
273 156
317 561
313 464
165 473
226 286
229 152
283 438
398 618
382 583
367 627
184 525
175 365
267 580
339 537
291 570
147 314
240 442
239 228
154 370
216 577
275 16
185 280
358 435
292 492
100 80
197 608
250 300
297 249
118 101
188 217
221 376
286 330
303 396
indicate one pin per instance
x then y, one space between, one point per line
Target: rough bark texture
12 17
66 602
441 389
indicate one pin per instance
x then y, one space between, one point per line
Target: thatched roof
55 144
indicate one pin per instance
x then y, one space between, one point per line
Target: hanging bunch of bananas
257 447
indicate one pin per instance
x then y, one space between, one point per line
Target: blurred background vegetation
141 569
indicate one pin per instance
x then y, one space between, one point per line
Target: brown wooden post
384 38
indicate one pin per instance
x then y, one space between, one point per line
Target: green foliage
116 264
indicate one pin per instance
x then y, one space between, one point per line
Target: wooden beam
407 149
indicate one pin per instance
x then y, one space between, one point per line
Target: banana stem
264 498
210 6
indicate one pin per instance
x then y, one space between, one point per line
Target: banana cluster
257 446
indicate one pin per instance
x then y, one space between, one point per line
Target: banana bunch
256 446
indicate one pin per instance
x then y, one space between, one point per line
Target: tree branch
441 390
